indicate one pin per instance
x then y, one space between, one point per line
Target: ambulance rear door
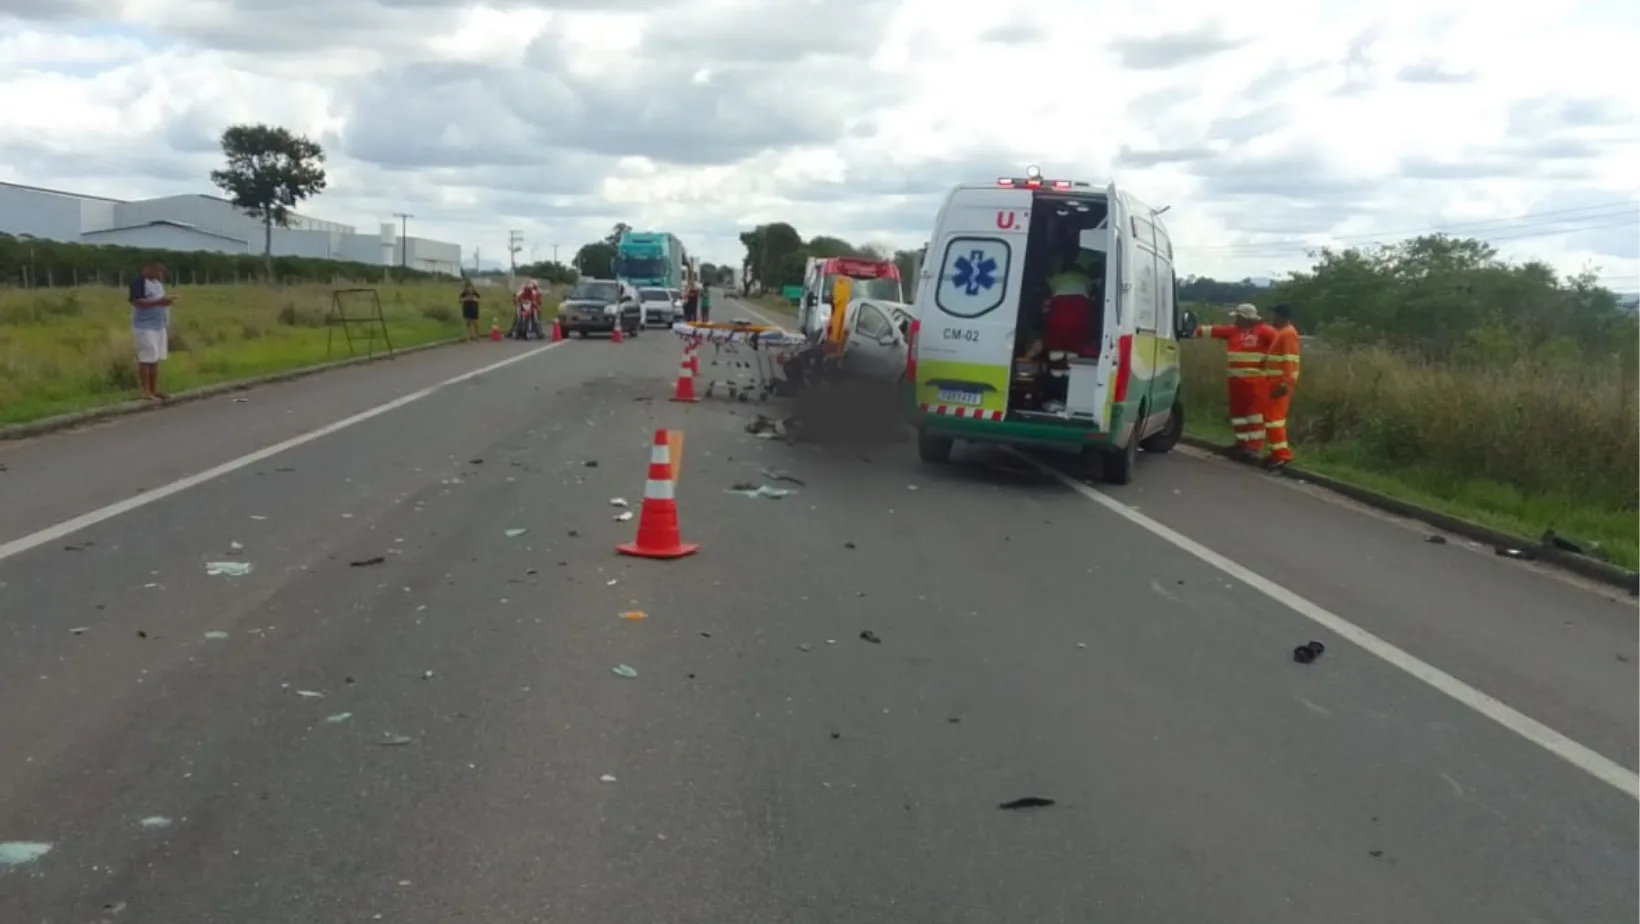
969 308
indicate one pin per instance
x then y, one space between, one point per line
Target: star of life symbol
974 272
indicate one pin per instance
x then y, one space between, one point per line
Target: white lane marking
68 527
1584 758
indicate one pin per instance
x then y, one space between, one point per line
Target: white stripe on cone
658 455
658 490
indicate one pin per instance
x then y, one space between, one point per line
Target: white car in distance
660 308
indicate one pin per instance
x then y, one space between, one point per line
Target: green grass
775 303
1521 449
69 349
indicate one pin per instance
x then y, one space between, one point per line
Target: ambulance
1047 315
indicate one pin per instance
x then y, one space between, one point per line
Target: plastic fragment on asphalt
17 853
310 694
155 822
871 637
621 670
1027 802
607 778
617 502
228 568
396 741
623 516
1308 652
1435 539
782 476
634 615
515 533
762 490
338 718
80 630
214 634
367 562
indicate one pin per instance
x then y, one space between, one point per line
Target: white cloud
1286 125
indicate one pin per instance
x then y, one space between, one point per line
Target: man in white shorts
150 322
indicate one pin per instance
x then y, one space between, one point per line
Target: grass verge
1522 449
69 349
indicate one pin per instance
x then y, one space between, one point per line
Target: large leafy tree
614 235
596 259
269 170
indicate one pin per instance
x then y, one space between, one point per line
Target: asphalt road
473 756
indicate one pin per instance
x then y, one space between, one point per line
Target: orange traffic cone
658 535
692 354
495 331
557 331
686 381
615 335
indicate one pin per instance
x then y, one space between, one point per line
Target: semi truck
651 259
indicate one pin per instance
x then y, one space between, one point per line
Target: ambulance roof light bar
1035 182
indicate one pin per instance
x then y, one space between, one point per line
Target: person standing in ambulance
1068 319
1281 369
1247 341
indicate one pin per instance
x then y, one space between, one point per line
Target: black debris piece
1308 652
476 461
836 735
1556 541
782 476
871 637
1435 539
590 463
367 562
1027 802
849 545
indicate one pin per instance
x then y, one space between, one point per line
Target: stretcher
746 358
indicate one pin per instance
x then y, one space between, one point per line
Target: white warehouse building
209 223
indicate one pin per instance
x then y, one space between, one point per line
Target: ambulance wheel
935 450
1169 435
1120 463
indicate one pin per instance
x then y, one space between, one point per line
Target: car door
875 347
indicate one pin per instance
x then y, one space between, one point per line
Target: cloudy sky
1268 127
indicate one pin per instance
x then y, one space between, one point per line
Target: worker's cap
1244 312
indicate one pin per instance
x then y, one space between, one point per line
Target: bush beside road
1523 447
69 349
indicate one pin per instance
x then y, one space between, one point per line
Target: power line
1520 222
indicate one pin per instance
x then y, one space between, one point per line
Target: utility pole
404 237
476 264
515 245
554 253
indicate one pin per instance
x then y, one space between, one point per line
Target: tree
767 246
596 259
550 272
614 236
269 170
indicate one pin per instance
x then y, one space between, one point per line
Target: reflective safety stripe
1239 421
1272 424
660 455
1239 357
1278 446
1282 357
657 489
1239 372
1256 418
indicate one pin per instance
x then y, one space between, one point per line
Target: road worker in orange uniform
1281 367
1248 343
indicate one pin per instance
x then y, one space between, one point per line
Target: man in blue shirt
150 323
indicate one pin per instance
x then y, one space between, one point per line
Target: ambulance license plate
959 396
